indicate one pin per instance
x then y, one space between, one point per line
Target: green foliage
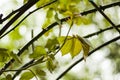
15 57
26 76
4 54
51 44
51 64
38 52
9 77
40 72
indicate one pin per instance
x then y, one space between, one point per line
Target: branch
91 52
27 16
21 11
100 31
106 17
50 27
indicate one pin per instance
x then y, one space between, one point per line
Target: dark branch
27 16
106 17
21 11
91 52
101 31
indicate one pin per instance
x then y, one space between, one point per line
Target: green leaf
41 2
76 47
4 54
51 44
9 77
26 76
50 65
38 52
16 57
25 1
57 19
40 72
49 13
67 46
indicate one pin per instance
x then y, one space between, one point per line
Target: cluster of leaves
74 45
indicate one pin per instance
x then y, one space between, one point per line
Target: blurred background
104 64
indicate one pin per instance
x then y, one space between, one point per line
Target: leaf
57 19
67 46
41 2
16 57
4 54
38 52
52 44
25 1
40 72
9 77
76 47
50 65
85 45
49 13
26 76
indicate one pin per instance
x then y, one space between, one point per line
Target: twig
91 52
100 31
106 17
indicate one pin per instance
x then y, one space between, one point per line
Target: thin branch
26 17
65 38
105 16
22 68
21 12
28 65
91 52
33 74
47 29
32 35
100 31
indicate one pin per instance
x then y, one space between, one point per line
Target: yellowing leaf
85 46
76 47
38 52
